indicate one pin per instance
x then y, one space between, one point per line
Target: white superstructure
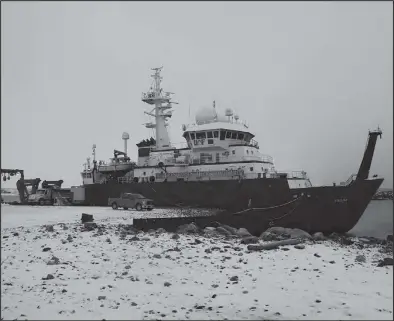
217 147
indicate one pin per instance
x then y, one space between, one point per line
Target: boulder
273 245
243 232
250 240
360 258
188 228
281 233
232 230
386 261
86 218
90 226
318 236
223 231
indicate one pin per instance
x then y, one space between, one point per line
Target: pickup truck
131 200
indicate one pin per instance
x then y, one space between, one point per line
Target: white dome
206 115
222 118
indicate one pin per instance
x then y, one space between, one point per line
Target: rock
360 259
15 234
188 228
364 240
167 284
90 226
268 236
223 231
209 229
232 230
161 230
250 240
243 232
298 233
346 241
197 241
133 304
389 238
48 277
101 297
234 278
157 256
318 236
175 237
69 238
49 228
53 261
273 245
134 238
316 255
281 233
331 262
46 249
388 261
299 246
86 218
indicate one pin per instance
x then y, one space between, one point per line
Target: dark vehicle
131 200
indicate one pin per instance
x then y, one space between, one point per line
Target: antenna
94 152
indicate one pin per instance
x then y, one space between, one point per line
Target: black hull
325 209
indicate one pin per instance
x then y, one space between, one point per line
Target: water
377 220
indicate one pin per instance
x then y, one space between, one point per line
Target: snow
272 285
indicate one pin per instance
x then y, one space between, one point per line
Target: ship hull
253 204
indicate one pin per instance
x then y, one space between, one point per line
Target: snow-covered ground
111 276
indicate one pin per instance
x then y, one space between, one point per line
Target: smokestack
125 137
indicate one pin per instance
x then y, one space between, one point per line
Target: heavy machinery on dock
50 192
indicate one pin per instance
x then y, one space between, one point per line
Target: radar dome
125 135
222 118
206 115
228 112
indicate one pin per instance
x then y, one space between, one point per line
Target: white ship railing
295 174
198 174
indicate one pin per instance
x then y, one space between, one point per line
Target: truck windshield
40 192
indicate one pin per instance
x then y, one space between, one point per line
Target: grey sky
310 79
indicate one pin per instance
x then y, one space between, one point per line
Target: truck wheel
138 207
149 209
125 208
114 206
41 202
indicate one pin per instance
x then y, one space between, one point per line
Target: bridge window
210 141
192 136
216 134
234 135
247 152
209 134
251 169
222 134
251 152
240 136
200 135
233 152
228 135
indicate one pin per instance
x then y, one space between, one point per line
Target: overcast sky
310 78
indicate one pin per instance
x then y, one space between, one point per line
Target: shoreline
107 270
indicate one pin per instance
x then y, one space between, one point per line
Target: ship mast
155 96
